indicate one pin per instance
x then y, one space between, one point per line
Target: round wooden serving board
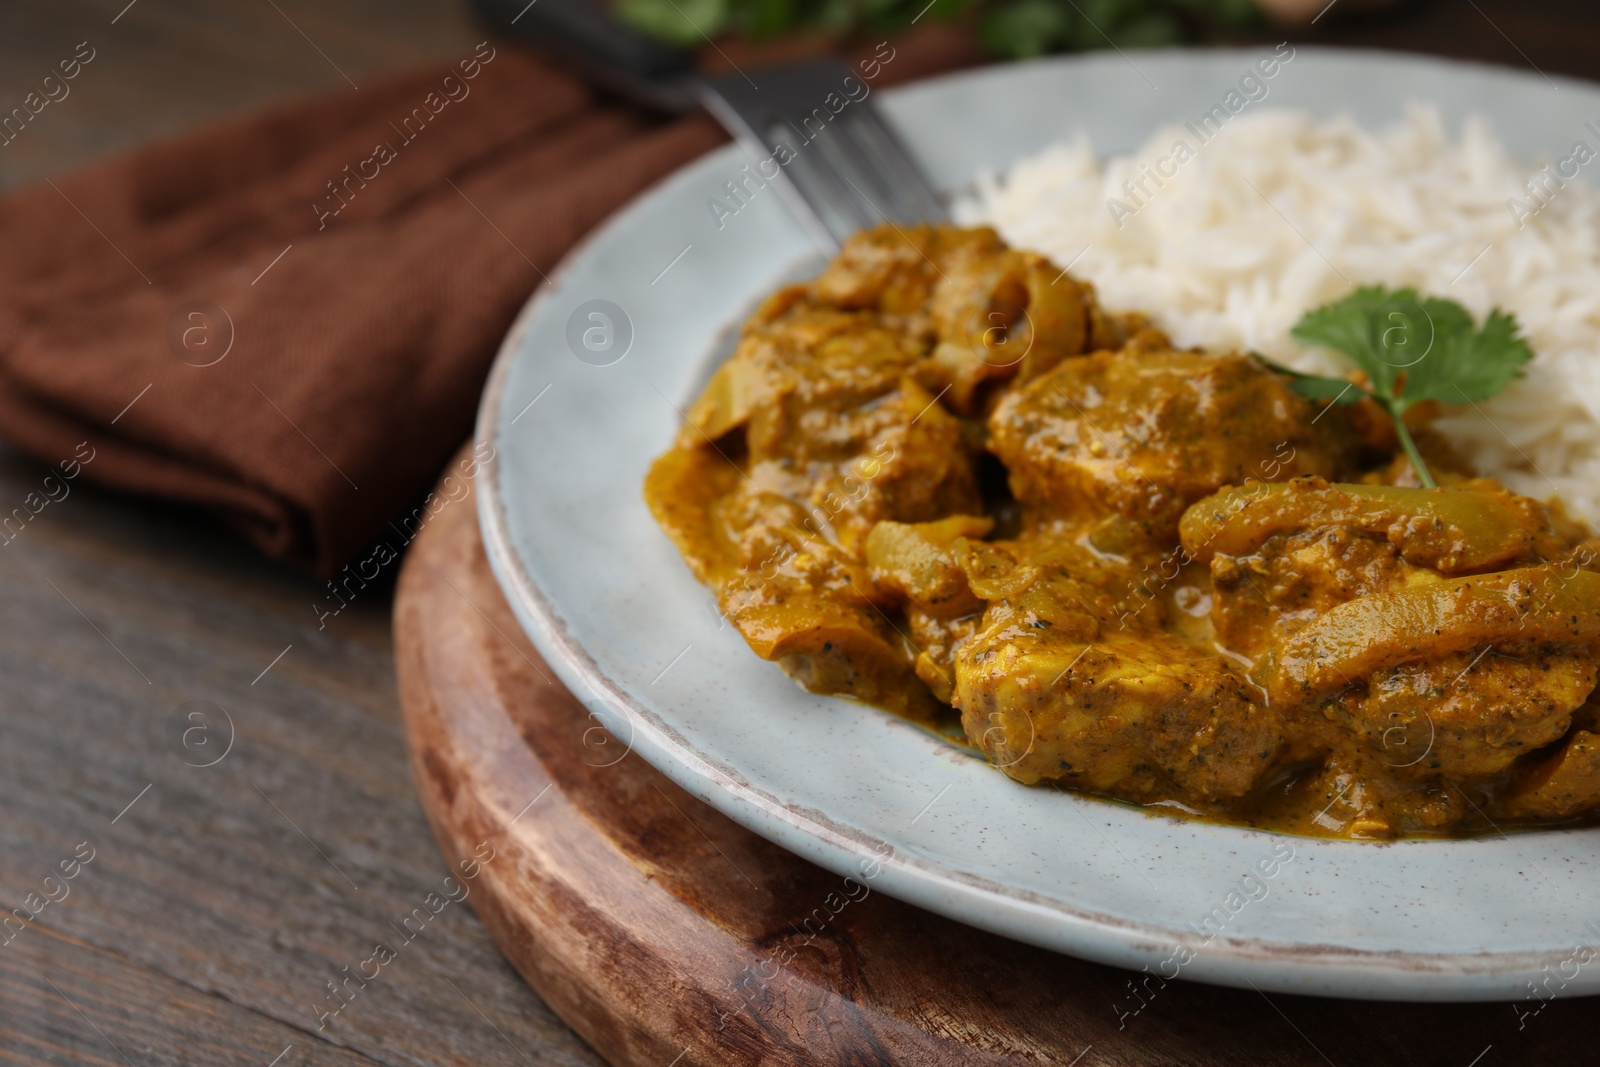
669 936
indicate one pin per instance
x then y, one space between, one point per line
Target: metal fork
836 163
841 171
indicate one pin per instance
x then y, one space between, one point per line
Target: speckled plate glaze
608 601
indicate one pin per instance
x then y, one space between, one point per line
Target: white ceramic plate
608 601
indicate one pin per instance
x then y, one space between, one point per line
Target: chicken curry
940 478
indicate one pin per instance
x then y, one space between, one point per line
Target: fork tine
752 127
826 191
848 170
918 202
870 197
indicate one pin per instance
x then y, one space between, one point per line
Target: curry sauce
941 479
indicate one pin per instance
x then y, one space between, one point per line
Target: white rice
1334 206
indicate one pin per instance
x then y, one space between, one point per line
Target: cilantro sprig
1410 348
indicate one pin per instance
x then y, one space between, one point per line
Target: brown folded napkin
287 319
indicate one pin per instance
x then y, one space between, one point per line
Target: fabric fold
287 319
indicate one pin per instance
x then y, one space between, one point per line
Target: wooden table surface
137 641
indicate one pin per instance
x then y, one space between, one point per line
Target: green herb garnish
1411 349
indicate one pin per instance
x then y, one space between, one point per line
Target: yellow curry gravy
941 479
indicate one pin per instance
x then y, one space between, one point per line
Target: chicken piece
1286 556
1051 688
898 458
1560 785
1259 601
1144 434
806 603
1004 314
806 355
1339 599
822 436
893 269
1467 716
989 312
831 420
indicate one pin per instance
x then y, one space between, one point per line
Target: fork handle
584 34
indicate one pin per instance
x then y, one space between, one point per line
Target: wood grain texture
220 904
207 926
665 933
205 892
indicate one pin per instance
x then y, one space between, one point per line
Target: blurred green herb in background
1011 29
